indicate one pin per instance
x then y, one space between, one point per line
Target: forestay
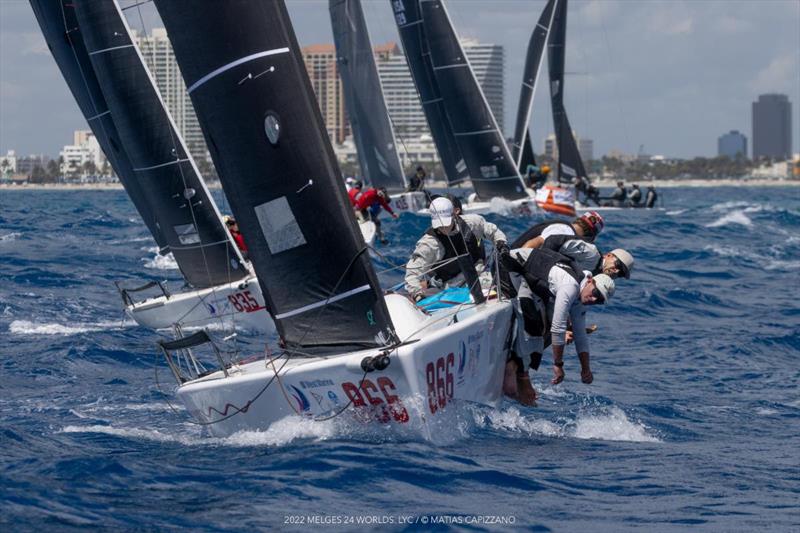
521 148
363 97
186 214
570 164
491 168
59 26
415 46
249 86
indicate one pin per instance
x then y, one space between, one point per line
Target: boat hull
446 363
556 199
409 202
239 304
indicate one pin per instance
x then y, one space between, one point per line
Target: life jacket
534 231
589 256
538 266
455 245
652 196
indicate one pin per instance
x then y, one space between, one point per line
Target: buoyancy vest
538 266
589 256
455 245
535 231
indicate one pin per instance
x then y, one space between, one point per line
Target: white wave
161 262
676 212
613 425
9 237
766 411
734 217
725 206
766 262
26 327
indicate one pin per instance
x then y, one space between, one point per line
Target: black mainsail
408 17
363 97
522 149
257 109
59 26
570 164
492 170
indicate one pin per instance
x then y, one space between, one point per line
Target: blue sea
692 422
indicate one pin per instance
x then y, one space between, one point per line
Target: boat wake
26 327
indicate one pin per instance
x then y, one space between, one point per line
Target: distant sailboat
94 50
366 107
468 118
346 344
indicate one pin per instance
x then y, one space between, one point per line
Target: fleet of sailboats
343 341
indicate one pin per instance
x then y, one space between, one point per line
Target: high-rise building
320 60
84 149
732 144
772 127
585 147
488 63
157 52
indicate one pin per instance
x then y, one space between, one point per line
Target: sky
669 76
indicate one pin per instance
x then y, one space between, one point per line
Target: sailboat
558 197
344 344
464 129
366 106
93 48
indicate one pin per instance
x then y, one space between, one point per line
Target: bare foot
558 375
510 380
527 394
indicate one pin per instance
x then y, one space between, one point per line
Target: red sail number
439 377
244 302
383 409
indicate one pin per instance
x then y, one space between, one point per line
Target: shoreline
759 182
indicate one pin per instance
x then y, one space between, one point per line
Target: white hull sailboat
447 357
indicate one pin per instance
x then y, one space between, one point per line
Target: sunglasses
598 296
620 266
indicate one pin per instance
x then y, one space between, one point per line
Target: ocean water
692 422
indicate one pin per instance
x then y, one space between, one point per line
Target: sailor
354 191
368 207
588 226
636 196
416 182
619 195
552 280
238 238
587 256
652 196
433 264
535 177
592 194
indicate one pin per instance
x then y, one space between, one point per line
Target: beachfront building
83 158
733 144
585 147
8 165
772 127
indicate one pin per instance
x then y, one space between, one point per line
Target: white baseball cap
626 259
605 285
441 212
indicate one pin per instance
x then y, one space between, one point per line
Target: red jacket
352 193
369 198
239 240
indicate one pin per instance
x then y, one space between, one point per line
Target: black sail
59 26
491 167
363 97
570 164
415 46
181 203
521 148
257 109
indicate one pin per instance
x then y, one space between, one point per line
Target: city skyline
662 92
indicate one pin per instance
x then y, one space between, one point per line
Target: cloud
779 75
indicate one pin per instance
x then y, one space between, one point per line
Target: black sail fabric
492 170
363 97
415 46
570 164
64 39
186 214
257 109
521 148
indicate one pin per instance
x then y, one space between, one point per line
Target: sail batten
277 166
364 99
179 199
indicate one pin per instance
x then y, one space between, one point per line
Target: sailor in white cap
550 279
433 264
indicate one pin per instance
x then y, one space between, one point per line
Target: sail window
489 171
272 128
187 234
280 228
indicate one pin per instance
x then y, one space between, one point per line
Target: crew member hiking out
238 238
588 226
377 198
433 264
